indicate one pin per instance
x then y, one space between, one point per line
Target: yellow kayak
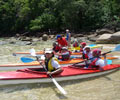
93 47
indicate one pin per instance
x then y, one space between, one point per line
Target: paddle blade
42 57
32 52
92 45
27 60
59 87
117 48
109 62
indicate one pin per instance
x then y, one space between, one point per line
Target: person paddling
75 44
87 53
64 54
56 47
82 45
51 63
96 61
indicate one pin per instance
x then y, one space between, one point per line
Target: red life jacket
92 65
62 42
75 44
57 48
86 56
65 57
81 49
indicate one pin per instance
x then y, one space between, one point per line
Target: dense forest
32 16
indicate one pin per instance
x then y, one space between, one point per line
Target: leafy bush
43 22
41 15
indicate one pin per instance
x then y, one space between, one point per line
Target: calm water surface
98 88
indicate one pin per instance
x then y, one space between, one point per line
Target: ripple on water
99 88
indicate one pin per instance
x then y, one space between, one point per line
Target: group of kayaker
92 58
53 66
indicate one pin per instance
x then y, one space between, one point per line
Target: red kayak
35 75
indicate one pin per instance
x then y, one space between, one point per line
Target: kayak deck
67 71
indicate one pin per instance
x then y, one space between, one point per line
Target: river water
99 88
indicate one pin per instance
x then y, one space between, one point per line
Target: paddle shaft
47 71
43 66
93 57
106 52
54 81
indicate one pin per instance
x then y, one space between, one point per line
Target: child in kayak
87 53
56 47
64 54
75 44
96 61
82 45
51 63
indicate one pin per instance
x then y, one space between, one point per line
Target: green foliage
45 21
41 15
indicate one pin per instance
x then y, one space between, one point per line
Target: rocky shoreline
103 36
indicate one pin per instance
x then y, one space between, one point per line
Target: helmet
58 36
64 48
97 51
83 43
87 47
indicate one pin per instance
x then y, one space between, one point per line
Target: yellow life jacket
49 64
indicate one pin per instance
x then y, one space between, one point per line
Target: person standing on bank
68 37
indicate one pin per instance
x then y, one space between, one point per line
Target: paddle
109 62
92 45
33 53
117 48
27 60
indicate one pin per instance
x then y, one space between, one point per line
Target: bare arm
57 71
57 67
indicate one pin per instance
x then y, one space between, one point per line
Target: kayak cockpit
33 70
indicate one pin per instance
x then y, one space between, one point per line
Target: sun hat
48 50
64 48
87 47
83 43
